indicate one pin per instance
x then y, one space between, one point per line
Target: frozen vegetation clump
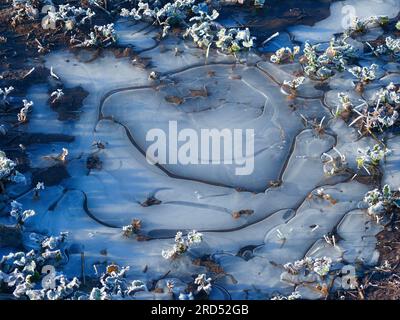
233 40
391 48
364 74
369 158
309 267
20 215
335 164
382 203
100 36
4 93
131 229
24 10
310 272
65 16
56 95
203 29
322 64
167 15
22 273
284 55
26 275
63 289
69 16
203 284
8 172
199 21
381 113
23 113
36 191
182 244
291 86
345 106
359 26
115 286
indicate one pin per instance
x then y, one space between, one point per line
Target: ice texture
287 221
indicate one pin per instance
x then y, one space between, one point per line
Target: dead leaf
174 100
199 93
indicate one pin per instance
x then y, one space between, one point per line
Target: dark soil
51 176
68 107
10 237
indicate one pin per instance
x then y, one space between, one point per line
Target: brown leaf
174 100
112 268
199 93
238 214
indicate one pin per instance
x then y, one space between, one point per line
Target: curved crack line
91 215
282 171
167 172
162 168
335 232
334 228
197 65
198 205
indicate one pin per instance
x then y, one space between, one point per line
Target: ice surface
288 219
140 36
391 167
342 13
358 232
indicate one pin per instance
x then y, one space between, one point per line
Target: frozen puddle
239 98
123 105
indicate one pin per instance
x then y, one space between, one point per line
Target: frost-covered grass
182 244
382 204
308 272
100 36
380 113
4 93
323 64
371 157
21 272
197 18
